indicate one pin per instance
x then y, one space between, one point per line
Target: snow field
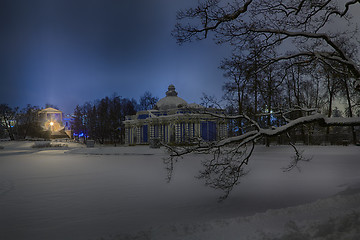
93 193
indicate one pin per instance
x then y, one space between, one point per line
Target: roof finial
171 91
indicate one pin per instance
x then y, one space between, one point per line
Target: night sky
67 52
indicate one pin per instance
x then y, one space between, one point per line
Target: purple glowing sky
67 52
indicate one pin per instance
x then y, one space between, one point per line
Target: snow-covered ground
79 193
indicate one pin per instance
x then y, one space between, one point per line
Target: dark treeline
102 120
18 123
260 94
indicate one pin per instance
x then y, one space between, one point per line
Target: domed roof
171 100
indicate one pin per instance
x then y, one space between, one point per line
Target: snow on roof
46 110
171 100
195 105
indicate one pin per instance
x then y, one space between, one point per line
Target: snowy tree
7 119
304 25
295 36
28 123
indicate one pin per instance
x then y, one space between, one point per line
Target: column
127 135
138 134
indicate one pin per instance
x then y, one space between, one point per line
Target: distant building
173 120
51 119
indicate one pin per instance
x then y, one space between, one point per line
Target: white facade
174 121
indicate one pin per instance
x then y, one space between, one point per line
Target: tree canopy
314 32
290 59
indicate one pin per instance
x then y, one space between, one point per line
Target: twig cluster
230 156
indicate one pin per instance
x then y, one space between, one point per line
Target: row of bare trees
18 123
102 119
286 54
291 60
286 86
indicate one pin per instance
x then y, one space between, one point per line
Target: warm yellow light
51 123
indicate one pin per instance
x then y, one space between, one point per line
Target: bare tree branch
209 23
224 170
260 32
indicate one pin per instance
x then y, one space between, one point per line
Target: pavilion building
52 120
173 120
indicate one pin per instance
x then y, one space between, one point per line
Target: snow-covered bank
337 217
89 193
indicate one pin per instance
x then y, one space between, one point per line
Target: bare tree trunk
329 115
350 109
240 110
270 92
9 129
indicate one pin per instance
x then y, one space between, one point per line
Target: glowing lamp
51 123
